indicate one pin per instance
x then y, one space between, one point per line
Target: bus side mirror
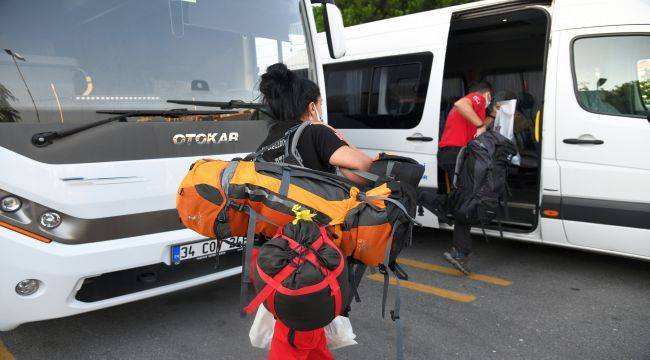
334 30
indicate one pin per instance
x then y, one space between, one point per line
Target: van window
612 74
382 93
394 89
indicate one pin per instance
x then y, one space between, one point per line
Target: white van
581 72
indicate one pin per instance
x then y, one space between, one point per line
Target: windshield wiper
173 113
43 139
232 104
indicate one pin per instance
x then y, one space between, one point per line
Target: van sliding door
390 101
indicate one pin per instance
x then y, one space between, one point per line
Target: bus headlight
27 287
50 219
10 204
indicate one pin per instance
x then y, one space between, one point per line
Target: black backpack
480 179
400 168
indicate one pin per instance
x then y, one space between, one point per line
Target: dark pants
462 239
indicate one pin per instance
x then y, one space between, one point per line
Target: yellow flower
301 214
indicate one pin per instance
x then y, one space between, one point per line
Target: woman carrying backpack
295 101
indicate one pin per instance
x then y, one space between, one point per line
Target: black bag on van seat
480 179
301 277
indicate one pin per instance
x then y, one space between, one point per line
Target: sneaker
458 260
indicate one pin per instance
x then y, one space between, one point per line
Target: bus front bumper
74 279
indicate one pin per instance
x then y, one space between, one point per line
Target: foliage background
362 11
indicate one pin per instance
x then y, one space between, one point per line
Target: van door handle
418 137
583 141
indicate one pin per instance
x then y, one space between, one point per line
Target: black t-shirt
316 145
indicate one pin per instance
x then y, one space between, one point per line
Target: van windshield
77 57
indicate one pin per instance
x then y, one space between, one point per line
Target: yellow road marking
450 271
447 294
4 352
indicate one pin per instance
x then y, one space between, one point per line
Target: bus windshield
64 60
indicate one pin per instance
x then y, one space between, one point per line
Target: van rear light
551 213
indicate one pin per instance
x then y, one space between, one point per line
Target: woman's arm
347 158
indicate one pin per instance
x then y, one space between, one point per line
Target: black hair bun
286 93
275 82
279 72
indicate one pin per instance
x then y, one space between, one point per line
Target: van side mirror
334 28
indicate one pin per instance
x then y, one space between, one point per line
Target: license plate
194 251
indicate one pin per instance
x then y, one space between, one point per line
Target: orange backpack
217 197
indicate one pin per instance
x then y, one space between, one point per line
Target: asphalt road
534 302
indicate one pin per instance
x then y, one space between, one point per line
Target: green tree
645 91
623 97
363 11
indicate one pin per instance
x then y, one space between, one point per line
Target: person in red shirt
301 345
465 121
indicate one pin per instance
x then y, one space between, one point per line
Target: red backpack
301 277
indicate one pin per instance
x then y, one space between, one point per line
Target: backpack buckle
222 217
382 269
237 206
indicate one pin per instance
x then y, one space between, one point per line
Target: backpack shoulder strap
257 155
247 253
365 175
292 148
395 313
460 159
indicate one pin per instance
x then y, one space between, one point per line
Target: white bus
87 212
580 70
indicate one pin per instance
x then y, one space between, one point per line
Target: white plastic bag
339 333
505 121
261 331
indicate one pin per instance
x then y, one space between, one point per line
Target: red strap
336 293
294 245
274 284
333 278
298 248
269 288
270 303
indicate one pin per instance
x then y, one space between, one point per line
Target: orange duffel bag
216 199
